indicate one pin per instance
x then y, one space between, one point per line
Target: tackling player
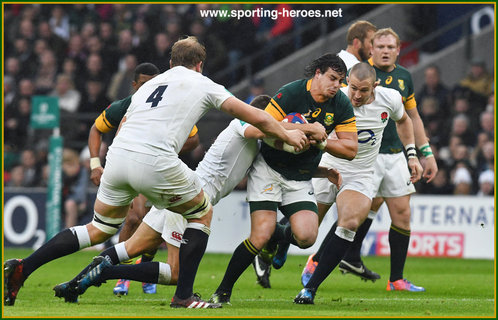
392 178
108 120
143 158
373 107
224 165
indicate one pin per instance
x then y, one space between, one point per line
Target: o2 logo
366 136
30 231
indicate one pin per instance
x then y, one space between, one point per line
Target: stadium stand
83 53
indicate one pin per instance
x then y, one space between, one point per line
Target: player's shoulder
295 87
291 94
388 96
387 93
120 104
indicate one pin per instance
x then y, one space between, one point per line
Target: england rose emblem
383 117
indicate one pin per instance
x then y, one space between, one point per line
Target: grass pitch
455 288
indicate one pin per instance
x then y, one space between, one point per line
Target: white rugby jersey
164 110
371 119
227 160
349 59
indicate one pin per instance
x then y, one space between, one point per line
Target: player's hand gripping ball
295 117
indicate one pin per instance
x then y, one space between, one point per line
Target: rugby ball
295 117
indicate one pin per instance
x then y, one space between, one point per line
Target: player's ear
170 65
375 84
356 43
198 67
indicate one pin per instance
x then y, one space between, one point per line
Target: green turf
455 288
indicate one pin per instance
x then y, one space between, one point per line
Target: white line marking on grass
435 299
380 299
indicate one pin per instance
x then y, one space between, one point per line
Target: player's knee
259 239
306 241
261 235
133 219
105 224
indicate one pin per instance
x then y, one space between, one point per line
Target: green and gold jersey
401 80
111 117
336 113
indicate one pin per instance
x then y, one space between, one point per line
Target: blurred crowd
85 55
460 123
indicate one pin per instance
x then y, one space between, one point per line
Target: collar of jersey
308 84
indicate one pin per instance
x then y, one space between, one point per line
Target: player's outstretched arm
94 142
264 121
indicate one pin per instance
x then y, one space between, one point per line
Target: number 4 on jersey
156 96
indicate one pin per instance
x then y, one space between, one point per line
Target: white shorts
326 192
164 180
391 176
169 224
265 184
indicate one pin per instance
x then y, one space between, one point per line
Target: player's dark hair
145 68
363 71
359 30
260 101
187 52
325 62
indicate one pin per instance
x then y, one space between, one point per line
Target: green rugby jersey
111 117
401 80
336 113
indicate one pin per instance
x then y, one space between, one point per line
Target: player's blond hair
386 32
187 52
359 30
